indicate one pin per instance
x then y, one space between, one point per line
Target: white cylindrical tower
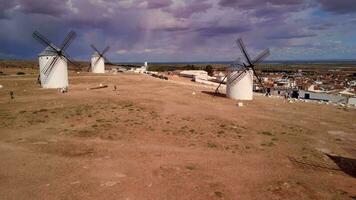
146 66
97 66
242 88
58 76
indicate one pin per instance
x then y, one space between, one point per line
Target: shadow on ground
214 94
347 165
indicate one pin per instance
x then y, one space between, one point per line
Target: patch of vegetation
211 145
100 120
192 131
265 133
20 73
191 167
127 105
222 125
268 144
85 133
209 69
218 194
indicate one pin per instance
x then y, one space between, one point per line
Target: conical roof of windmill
95 54
48 51
236 66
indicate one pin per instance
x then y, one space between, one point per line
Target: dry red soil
156 139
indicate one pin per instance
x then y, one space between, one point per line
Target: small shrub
212 145
218 194
191 167
20 73
210 70
266 133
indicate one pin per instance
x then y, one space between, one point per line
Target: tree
210 70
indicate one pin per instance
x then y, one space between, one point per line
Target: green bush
210 70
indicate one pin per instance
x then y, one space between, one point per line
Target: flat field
156 139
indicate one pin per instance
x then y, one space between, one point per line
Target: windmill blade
95 49
237 77
53 63
217 89
68 40
105 50
243 50
69 59
97 60
234 66
263 55
106 60
258 78
47 66
237 62
88 68
43 40
53 66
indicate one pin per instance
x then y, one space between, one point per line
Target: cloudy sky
182 30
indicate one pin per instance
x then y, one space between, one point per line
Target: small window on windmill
47 58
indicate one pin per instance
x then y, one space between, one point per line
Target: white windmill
239 76
53 61
98 60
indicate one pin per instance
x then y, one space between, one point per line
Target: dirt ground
156 139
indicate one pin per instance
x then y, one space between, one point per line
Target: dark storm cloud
271 9
221 30
5 5
48 7
196 6
284 36
253 4
321 27
154 4
173 29
338 6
